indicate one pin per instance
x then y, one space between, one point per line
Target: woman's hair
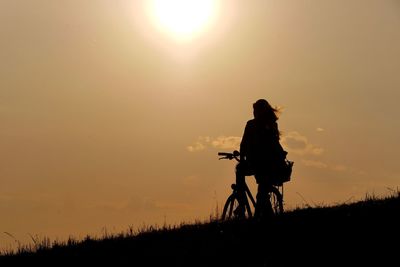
264 112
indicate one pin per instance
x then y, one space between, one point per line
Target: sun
183 19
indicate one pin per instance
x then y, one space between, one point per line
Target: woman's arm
244 144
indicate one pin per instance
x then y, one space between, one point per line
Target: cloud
227 142
339 168
322 165
319 129
196 147
293 142
200 145
315 164
220 142
298 144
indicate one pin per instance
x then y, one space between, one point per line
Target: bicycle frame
232 201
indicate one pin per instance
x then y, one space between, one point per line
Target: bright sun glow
184 19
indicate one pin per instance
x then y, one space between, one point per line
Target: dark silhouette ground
364 233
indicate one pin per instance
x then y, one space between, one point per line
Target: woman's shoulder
251 122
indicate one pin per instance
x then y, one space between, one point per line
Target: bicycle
275 193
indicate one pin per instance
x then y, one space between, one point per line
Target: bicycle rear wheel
276 200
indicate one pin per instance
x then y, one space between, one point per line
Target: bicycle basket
284 173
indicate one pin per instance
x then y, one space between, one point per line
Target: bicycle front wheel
230 206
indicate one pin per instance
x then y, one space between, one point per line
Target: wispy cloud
339 168
293 142
227 142
315 164
298 144
323 165
196 147
220 142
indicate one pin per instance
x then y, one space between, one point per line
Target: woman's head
264 111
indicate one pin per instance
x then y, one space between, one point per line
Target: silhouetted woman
260 151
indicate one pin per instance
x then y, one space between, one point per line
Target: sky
108 120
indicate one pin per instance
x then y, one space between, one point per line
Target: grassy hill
361 233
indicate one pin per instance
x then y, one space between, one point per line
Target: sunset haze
107 122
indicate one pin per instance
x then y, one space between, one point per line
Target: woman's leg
241 171
263 204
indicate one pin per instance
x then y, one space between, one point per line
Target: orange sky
107 122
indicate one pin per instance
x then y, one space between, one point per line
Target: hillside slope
361 233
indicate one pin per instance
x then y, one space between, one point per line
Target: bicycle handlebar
226 155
